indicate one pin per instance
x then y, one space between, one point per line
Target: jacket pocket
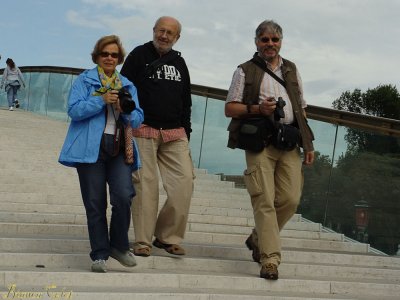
252 179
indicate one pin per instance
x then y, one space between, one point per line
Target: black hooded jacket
163 90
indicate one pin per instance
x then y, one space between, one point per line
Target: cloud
78 19
337 45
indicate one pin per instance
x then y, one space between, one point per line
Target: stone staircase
44 244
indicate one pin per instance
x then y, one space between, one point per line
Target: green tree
370 169
375 179
382 101
315 188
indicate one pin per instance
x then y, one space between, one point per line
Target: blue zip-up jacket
88 120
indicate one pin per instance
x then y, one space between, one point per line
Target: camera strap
118 132
261 64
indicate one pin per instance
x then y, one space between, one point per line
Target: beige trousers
274 181
174 162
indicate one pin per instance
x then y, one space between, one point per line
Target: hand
111 97
308 158
268 106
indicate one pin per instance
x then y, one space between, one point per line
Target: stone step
65 191
53 203
236 239
40 217
62 171
164 263
72 183
11 193
198 206
292 255
292 233
77 230
66 173
237 216
70 232
80 279
246 219
233 252
42 222
11 176
175 294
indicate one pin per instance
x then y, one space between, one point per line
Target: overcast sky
337 45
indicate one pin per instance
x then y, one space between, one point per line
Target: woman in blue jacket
95 145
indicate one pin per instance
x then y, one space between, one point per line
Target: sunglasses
107 54
266 39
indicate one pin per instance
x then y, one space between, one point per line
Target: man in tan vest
273 177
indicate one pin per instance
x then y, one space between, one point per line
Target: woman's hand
111 97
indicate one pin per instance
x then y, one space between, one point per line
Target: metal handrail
328 115
337 117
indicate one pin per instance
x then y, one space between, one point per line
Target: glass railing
356 192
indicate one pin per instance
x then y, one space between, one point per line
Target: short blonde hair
104 41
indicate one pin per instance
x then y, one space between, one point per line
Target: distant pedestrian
12 79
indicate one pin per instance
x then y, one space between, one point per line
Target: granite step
42 223
80 279
63 216
72 232
194 264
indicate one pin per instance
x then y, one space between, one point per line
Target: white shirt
112 117
269 88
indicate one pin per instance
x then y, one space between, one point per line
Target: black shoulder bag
254 133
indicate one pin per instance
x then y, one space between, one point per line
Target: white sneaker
125 258
11 108
99 266
16 102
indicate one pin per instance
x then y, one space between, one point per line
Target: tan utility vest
251 93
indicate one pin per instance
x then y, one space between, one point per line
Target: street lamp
362 218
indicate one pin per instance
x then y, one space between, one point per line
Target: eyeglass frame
105 54
168 33
267 39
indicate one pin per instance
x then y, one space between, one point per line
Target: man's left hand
308 158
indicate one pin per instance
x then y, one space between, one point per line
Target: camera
125 101
279 112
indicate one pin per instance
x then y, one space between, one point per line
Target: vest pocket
252 179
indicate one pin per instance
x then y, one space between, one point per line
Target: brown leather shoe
269 271
254 248
144 251
170 248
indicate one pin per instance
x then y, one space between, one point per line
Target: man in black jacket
162 79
